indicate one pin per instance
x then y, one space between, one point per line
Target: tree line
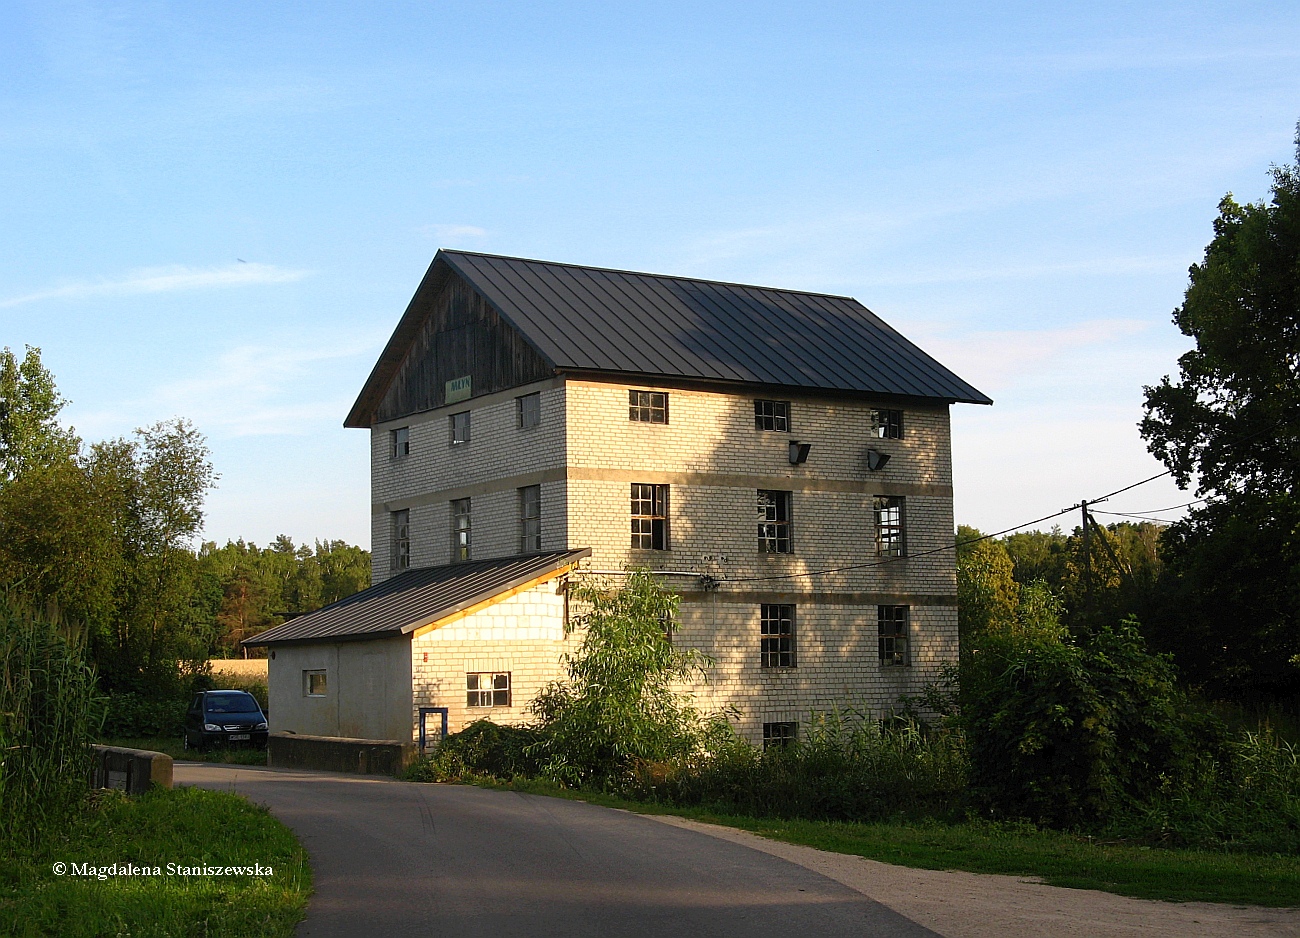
101 536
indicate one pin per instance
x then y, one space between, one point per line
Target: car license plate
235 736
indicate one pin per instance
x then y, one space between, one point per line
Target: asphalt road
398 858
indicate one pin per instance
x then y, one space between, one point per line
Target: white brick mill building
783 457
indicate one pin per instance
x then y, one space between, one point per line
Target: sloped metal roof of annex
415 598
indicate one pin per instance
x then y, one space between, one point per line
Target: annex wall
367 689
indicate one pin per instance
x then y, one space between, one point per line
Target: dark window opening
530 519
459 424
776 649
529 410
779 734
774 522
647 406
401 524
649 517
772 415
892 624
891 538
400 443
887 424
460 530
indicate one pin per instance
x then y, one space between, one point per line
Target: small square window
401 531
647 406
892 625
460 530
887 424
528 411
313 683
772 415
459 424
774 522
776 645
487 689
780 734
891 539
400 443
530 519
649 516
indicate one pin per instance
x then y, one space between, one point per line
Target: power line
938 550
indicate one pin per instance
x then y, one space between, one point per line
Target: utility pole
1087 557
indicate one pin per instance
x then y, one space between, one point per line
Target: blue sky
220 210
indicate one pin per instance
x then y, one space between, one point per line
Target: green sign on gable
458 389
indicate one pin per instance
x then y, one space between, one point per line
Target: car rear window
235 701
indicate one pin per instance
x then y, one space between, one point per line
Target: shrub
49 712
481 750
617 707
1066 733
134 715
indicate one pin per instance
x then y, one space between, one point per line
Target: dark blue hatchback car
226 718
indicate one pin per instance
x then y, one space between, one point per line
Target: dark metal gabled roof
649 325
589 318
415 598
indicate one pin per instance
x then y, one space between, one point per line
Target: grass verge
1058 859
173 748
190 827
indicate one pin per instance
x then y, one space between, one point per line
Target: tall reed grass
49 712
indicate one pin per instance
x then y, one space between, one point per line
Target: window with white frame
774 522
530 519
776 638
649 516
461 534
400 523
772 415
647 406
399 442
891 532
528 411
458 425
487 689
892 624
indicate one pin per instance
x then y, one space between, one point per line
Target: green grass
186 826
173 748
1059 859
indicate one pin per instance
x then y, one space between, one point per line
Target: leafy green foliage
987 591
1067 733
30 435
481 749
49 712
618 706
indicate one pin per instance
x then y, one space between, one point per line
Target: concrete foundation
339 754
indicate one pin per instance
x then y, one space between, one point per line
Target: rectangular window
777 639
528 411
399 443
779 734
892 621
649 517
487 689
773 522
459 425
887 424
772 415
891 540
313 683
647 406
530 519
401 525
460 530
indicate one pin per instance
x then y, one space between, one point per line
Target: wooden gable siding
462 335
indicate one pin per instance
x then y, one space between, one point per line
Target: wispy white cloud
165 280
452 231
